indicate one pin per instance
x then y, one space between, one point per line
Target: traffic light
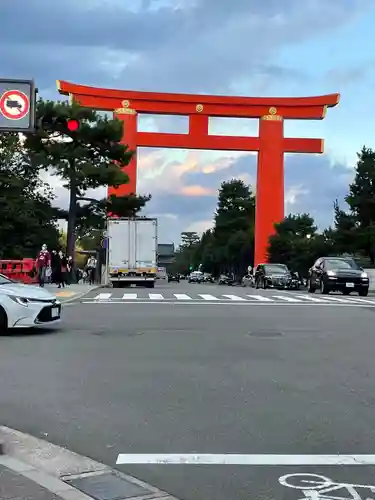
190 268
59 124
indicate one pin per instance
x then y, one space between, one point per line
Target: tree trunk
72 215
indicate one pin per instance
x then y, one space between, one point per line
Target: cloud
202 46
344 76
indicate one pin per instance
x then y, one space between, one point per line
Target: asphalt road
216 376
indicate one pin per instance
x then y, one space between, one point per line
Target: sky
270 48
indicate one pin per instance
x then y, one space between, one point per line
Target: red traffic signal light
72 125
58 124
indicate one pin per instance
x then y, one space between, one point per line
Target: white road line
129 296
337 299
287 299
234 459
246 303
234 297
103 296
207 296
182 296
362 301
261 298
156 296
312 299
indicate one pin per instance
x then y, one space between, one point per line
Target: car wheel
323 288
3 321
310 288
363 293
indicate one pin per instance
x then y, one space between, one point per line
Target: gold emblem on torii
272 116
126 109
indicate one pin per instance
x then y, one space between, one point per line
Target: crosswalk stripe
207 296
362 301
103 296
234 297
156 296
312 299
337 299
287 299
182 296
129 296
261 298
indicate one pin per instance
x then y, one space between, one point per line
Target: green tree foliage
361 201
85 159
344 235
228 246
27 218
186 252
233 234
297 243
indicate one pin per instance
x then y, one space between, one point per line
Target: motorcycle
248 280
226 280
296 282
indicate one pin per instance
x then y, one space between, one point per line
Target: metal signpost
17 105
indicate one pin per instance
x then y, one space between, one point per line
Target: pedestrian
63 268
55 266
71 278
91 267
43 263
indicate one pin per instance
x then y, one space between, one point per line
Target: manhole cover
107 486
265 333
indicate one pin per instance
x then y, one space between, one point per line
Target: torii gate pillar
270 145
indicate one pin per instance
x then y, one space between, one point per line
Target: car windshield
4 280
334 264
276 269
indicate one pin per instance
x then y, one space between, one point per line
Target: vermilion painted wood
270 145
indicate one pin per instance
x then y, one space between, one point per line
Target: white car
26 306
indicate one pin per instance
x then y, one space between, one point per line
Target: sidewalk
30 484
71 292
34 469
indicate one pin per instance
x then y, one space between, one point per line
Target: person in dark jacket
63 268
55 266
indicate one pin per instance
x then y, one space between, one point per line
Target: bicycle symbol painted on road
317 487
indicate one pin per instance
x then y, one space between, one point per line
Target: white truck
132 251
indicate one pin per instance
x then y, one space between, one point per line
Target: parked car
174 277
330 274
272 276
26 306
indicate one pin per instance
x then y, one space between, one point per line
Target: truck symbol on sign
11 103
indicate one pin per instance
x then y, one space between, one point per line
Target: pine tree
87 158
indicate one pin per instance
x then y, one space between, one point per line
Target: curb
80 295
67 474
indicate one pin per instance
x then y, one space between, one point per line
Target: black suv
272 276
331 274
174 277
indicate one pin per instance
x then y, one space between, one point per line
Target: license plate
350 285
55 312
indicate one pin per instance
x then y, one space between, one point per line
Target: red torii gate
270 145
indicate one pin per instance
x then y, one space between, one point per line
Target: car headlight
331 273
364 275
22 301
